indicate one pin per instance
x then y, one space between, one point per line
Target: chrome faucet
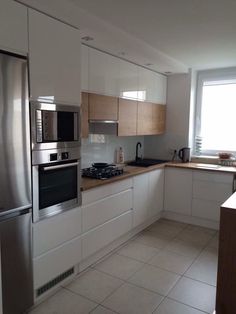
137 146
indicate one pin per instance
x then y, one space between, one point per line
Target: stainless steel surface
103 121
39 214
17 281
15 186
61 166
15 181
43 156
36 109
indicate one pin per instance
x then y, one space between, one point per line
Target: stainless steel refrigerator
15 187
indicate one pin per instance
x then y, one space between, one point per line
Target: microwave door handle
72 164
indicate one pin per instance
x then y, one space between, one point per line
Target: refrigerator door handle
15 212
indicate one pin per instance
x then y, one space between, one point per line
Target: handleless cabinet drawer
99 212
213 191
52 232
212 177
98 238
48 266
99 193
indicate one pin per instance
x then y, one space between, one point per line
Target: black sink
146 162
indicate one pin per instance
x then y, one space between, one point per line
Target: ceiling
192 33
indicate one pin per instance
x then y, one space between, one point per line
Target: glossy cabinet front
13 27
54 57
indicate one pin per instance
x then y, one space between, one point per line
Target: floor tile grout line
189 305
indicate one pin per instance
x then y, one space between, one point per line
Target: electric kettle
184 154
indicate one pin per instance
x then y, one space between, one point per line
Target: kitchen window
215 125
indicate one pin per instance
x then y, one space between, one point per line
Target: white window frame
202 76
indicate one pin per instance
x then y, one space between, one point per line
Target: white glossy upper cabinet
84 68
152 86
103 73
13 27
128 80
54 55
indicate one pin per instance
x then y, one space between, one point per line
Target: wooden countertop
201 166
130 171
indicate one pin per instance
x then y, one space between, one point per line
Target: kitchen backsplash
101 148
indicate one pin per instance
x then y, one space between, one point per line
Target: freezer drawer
16 263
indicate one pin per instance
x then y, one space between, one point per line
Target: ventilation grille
54 281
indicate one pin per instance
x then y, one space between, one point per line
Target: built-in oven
56 182
54 126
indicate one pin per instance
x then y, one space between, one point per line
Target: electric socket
172 151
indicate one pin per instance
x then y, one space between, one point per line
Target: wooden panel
127 117
226 278
50 265
54 231
101 236
103 107
145 122
84 115
110 207
161 125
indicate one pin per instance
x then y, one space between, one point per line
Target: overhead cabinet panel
13 27
128 80
103 107
128 110
84 68
54 56
145 118
103 73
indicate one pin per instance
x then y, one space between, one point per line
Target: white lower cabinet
54 231
105 209
156 192
148 195
53 263
98 238
140 199
196 193
210 190
178 191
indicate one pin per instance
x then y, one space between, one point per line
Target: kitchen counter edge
131 171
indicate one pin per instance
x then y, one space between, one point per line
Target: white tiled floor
170 268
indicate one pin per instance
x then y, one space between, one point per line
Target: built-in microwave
54 126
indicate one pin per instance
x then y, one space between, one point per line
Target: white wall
105 152
177 119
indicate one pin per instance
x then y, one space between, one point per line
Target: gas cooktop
102 173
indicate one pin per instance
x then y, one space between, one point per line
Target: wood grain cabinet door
103 107
158 118
128 110
145 121
84 115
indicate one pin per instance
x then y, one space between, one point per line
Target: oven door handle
72 164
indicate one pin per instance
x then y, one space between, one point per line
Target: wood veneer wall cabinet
84 115
226 279
128 110
102 107
151 118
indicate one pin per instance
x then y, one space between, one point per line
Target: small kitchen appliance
184 154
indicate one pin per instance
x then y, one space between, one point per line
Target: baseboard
190 220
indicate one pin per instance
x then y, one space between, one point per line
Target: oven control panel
59 156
